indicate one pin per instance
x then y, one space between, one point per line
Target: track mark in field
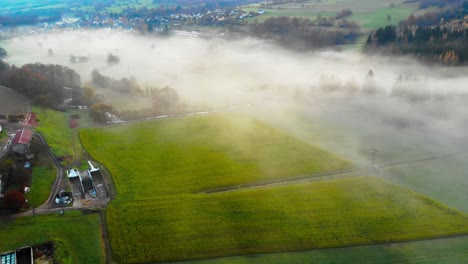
326 176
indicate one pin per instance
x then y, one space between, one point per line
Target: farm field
77 237
444 180
368 14
438 251
378 18
53 125
441 179
119 5
346 212
24 6
297 12
200 153
159 216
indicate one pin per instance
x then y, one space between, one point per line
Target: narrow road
58 180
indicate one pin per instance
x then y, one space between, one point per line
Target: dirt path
105 238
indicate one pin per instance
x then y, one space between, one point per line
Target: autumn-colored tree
98 112
14 200
89 96
449 58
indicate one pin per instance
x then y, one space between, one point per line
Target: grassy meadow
378 18
432 179
370 15
159 168
201 153
346 212
42 180
53 125
77 237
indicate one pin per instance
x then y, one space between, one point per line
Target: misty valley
243 131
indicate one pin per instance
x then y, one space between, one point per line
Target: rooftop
22 137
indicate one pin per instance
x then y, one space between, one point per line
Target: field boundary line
325 176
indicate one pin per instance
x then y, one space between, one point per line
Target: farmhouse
21 142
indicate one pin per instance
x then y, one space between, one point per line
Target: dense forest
437 36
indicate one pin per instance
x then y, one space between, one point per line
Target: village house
21 143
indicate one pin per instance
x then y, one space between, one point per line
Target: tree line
440 37
312 33
44 84
124 85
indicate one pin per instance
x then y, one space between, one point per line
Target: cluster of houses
144 20
20 149
217 15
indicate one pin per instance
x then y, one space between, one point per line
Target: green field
158 167
53 125
77 237
378 18
305 13
192 154
370 15
347 212
426 178
443 180
42 180
119 5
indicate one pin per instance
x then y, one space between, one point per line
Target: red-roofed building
21 141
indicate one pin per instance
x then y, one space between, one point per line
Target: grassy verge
53 125
77 237
42 180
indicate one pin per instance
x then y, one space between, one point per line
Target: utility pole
373 152
33 214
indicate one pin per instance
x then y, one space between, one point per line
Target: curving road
59 177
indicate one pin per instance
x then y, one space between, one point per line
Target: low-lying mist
221 72
403 109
